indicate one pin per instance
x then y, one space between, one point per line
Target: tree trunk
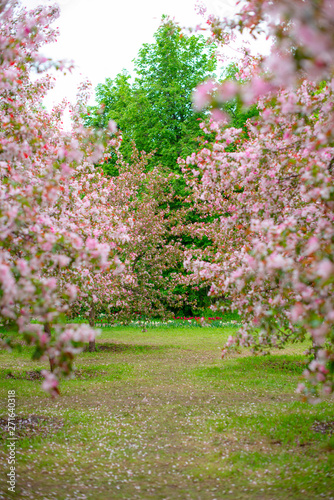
47 330
92 347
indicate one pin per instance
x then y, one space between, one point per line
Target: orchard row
77 241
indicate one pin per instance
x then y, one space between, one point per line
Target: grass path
158 415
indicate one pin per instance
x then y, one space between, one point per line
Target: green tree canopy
155 109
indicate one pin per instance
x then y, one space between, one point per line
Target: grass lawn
158 415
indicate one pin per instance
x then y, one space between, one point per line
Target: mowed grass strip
158 415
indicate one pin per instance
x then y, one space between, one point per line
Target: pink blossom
202 94
50 383
296 312
325 269
112 126
228 90
312 245
91 243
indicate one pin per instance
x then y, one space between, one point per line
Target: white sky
103 36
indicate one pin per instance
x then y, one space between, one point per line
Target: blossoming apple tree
150 258
274 238
37 164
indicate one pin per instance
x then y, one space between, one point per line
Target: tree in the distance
155 109
150 259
